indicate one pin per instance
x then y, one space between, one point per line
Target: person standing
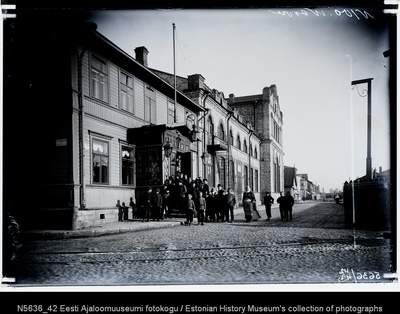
205 188
166 207
221 203
281 202
182 191
190 209
211 204
148 203
157 207
268 201
133 206
231 200
120 210
201 209
289 202
248 200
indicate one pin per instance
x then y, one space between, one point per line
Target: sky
310 55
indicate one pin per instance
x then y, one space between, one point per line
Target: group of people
285 206
195 198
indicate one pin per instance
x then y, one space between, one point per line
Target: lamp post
369 158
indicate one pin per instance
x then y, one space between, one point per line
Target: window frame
104 74
126 88
132 161
150 103
94 154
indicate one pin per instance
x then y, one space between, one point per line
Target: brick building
263 114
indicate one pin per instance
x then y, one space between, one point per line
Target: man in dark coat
289 202
268 201
148 203
281 201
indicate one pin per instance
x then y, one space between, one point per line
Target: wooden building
95 124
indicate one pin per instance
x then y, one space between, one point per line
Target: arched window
245 146
238 143
255 153
209 130
251 150
277 172
221 133
230 137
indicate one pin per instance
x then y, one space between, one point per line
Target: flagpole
173 36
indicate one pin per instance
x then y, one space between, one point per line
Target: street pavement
137 225
313 248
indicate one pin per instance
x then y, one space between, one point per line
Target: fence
367 205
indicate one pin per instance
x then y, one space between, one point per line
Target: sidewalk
118 227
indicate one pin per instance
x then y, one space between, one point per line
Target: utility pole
369 158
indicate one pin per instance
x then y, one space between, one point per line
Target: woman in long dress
248 200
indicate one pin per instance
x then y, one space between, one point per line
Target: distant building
292 182
263 113
232 147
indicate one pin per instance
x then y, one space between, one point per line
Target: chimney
141 55
195 81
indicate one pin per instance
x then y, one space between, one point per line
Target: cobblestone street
313 248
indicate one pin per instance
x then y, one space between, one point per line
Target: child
190 209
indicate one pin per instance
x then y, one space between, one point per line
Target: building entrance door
183 164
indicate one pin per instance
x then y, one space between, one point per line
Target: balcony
217 144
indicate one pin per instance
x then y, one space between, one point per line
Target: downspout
248 176
82 194
230 114
204 134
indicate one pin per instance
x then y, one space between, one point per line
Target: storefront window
100 159
127 164
148 166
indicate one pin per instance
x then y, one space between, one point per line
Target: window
251 150
239 144
277 172
231 175
221 166
256 181
245 146
246 176
99 79
221 133
230 137
210 131
251 179
255 153
127 165
171 113
100 160
126 92
150 105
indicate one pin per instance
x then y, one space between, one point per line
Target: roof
123 59
289 176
